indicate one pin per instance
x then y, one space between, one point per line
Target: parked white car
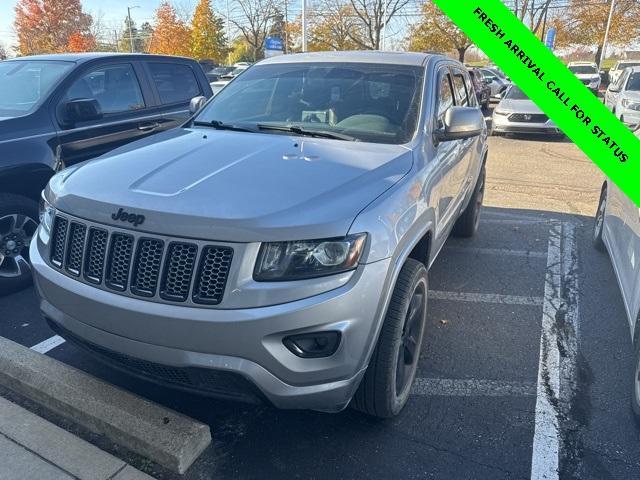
617 230
618 68
516 113
587 73
623 97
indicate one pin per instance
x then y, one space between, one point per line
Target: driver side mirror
614 89
460 123
80 110
196 104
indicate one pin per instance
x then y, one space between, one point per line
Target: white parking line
503 252
472 388
485 298
557 373
48 344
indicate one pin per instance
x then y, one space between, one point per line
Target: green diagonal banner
550 84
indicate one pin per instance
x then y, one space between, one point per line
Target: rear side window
115 87
176 83
461 88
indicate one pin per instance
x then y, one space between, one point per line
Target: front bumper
628 116
246 342
501 124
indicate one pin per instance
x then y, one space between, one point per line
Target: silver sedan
517 114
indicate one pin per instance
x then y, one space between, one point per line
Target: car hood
233 186
518 106
632 95
588 76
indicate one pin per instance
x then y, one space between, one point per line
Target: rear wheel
635 387
467 223
18 224
387 383
598 227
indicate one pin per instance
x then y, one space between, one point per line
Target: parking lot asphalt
525 324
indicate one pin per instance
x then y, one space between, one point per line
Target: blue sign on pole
273 43
551 38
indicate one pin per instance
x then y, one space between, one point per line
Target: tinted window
515 93
115 87
445 98
371 102
175 83
461 88
24 84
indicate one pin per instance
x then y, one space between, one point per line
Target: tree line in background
45 26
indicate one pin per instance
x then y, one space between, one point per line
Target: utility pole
228 35
384 28
603 54
304 25
130 27
286 33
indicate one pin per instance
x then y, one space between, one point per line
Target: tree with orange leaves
46 26
171 36
81 42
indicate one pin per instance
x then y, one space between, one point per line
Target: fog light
313 345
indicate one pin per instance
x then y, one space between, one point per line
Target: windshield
634 82
515 93
622 66
24 84
370 102
583 69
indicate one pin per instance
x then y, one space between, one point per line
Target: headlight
280 261
630 105
47 212
501 112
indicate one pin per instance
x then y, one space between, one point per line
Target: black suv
58 110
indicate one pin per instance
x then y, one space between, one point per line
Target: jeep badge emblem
128 217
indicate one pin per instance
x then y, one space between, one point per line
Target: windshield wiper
218 125
307 132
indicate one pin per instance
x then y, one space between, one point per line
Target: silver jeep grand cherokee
277 245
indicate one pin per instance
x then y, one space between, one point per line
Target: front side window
377 103
176 83
25 84
445 98
114 87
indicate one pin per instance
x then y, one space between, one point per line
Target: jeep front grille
139 264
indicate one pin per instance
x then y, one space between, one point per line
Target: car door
465 97
174 84
446 157
629 254
116 88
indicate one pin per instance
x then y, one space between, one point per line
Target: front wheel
387 383
467 223
18 224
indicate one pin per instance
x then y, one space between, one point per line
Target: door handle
147 127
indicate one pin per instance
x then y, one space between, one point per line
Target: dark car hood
233 186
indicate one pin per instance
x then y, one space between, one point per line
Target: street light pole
228 35
384 29
603 54
130 28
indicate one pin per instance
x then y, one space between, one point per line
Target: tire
467 224
382 392
18 222
598 225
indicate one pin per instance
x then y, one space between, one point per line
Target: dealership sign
549 83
